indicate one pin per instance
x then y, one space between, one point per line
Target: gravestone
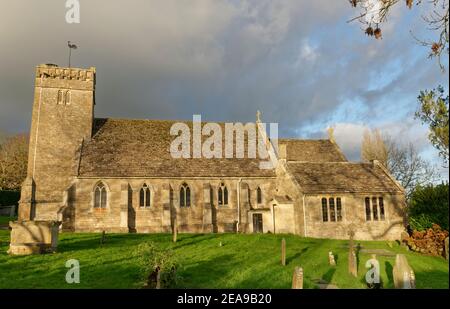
33 237
174 230
352 261
331 259
403 274
283 252
297 278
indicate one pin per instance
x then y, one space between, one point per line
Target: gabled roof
329 177
312 150
141 148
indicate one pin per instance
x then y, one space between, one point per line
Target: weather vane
71 46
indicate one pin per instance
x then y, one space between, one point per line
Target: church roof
329 177
312 150
141 148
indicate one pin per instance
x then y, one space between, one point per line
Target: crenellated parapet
52 76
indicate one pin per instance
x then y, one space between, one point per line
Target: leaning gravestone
331 259
297 278
403 274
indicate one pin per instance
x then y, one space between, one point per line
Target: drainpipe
304 216
238 204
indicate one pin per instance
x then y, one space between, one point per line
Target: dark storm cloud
296 61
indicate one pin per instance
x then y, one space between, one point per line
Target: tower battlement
52 76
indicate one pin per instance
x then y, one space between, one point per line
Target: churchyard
215 261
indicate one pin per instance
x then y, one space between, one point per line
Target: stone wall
124 214
354 217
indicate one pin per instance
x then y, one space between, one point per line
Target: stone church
117 175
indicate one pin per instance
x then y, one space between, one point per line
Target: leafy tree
428 205
157 265
402 161
373 13
434 111
13 162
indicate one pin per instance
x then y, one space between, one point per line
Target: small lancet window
368 211
339 209
259 195
381 204
324 210
332 210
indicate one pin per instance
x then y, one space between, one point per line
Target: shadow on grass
295 256
328 276
389 273
208 274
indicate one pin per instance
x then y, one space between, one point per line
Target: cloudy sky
298 61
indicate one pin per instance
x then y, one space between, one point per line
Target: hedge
8 198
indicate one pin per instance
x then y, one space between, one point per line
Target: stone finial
258 116
297 278
403 274
330 132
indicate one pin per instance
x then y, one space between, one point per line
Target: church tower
62 118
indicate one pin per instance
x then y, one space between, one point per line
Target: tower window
60 97
67 97
64 97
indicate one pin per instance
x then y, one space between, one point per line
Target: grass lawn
244 261
4 221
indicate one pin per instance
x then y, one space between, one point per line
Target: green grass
4 221
244 261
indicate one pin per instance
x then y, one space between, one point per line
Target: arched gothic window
185 196
144 196
223 195
100 196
